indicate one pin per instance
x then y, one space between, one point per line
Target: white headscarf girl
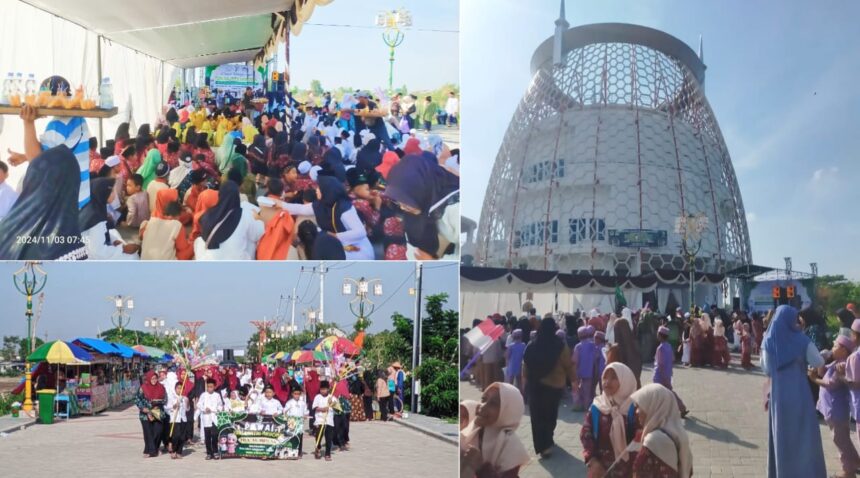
618 405
663 433
499 444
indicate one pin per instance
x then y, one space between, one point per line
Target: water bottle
106 94
30 86
19 84
7 88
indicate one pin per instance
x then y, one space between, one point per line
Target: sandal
328 458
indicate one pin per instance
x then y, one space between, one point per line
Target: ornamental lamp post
155 324
362 291
691 227
122 315
393 21
29 280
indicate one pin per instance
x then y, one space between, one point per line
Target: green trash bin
46 405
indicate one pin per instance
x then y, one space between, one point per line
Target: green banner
259 436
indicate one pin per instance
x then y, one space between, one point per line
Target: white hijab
618 406
662 413
500 447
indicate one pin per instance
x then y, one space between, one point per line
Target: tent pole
162 83
99 80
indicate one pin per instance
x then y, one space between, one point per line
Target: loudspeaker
228 354
736 304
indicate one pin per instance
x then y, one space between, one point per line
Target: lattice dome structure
613 141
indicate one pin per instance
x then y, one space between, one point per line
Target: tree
11 347
139 337
317 88
287 344
24 349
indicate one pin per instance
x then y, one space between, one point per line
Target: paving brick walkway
111 444
727 426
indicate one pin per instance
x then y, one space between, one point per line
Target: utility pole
322 291
415 406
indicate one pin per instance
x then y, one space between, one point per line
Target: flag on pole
482 336
620 301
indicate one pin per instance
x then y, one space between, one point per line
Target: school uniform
297 408
325 417
177 408
214 403
271 406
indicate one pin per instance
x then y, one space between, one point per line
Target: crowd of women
172 403
331 181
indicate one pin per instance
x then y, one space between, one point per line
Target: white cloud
751 217
825 174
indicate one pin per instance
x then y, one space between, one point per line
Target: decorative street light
362 291
122 315
155 324
393 36
29 280
262 338
313 318
690 228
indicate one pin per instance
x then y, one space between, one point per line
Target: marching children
177 407
297 406
720 356
664 359
746 347
270 405
584 360
611 424
686 344
514 355
324 417
600 343
833 403
237 405
208 405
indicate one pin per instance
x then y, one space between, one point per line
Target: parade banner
233 77
264 437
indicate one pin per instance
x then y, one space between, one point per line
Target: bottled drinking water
30 86
106 94
19 83
8 84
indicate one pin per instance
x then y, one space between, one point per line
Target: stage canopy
189 33
488 279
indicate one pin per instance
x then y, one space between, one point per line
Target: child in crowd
237 405
489 445
720 357
164 238
664 360
514 356
600 343
177 408
208 405
833 404
746 347
665 448
297 406
584 358
467 412
270 405
611 424
324 417
383 396
686 344
137 202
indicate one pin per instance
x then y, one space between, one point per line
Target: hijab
281 144
418 181
327 248
333 162
470 406
150 391
299 153
784 342
541 355
335 201
618 406
369 156
627 347
227 213
413 146
719 328
258 148
47 207
224 153
662 413
162 198
206 200
122 134
389 159
153 157
500 446
95 211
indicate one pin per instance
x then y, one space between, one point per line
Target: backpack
631 422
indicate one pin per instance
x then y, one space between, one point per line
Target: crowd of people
631 429
173 404
227 180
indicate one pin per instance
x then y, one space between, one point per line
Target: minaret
560 26
701 52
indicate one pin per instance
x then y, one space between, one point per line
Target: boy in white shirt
270 405
208 405
177 407
297 406
324 416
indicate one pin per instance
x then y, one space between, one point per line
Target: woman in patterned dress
665 451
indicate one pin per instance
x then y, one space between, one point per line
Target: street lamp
29 280
155 324
690 227
313 318
122 315
262 338
360 296
393 36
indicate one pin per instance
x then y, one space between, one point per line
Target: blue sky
781 79
226 295
357 57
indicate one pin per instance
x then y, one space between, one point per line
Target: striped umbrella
153 352
59 352
306 356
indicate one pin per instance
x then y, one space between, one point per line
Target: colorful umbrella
153 352
337 344
59 352
306 356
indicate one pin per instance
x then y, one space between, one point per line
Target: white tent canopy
187 34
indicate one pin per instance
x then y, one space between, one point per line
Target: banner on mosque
233 77
637 237
259 436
